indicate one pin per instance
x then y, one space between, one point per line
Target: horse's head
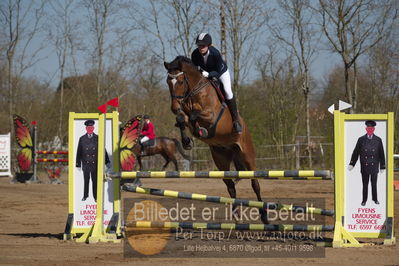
181 76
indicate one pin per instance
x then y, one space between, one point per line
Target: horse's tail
180 149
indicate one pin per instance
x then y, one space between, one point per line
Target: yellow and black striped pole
223 200
281 175
231 226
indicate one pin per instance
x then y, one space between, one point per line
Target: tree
278 120
353 27
100 13
188 20
222 15
382 75
293 27
21 22
170 26
244 20
62 35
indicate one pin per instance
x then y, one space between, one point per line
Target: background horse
130 149
164 146
197 105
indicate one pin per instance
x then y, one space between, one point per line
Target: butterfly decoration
24 140
129 136
54 173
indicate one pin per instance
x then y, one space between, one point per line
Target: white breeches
225 79
144 139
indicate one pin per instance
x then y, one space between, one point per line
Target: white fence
5 155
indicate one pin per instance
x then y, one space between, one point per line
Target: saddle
218 86
149 144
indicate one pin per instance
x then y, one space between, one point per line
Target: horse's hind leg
171 154
222 158
240 165
245 161
137 181
249 163
175 163
167 161
254 182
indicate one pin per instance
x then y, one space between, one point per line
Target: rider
147 132
212 65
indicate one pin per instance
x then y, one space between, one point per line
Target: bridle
187 94
174 80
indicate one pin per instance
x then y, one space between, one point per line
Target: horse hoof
187 147
187 144
236 180
236 214
263 216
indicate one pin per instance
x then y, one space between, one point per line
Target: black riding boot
234 115
142 148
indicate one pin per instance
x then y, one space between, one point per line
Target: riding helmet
203 39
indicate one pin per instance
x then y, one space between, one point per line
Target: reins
187 93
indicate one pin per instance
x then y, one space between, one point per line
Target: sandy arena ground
33 219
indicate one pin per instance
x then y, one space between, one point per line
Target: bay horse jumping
197 105
167 147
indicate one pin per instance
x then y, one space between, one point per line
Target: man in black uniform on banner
372 160
86 158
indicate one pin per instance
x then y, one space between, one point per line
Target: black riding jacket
215 64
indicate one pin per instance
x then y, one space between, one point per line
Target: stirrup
237 127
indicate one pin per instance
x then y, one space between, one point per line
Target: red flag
114 102
103 108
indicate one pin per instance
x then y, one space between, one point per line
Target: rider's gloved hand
205 74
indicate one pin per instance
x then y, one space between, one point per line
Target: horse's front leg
203 115
140 164
198 131
181 124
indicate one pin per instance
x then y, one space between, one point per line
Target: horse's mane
180 59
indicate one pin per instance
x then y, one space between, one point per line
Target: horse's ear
180 65
166 65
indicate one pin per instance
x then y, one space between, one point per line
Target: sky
46 69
